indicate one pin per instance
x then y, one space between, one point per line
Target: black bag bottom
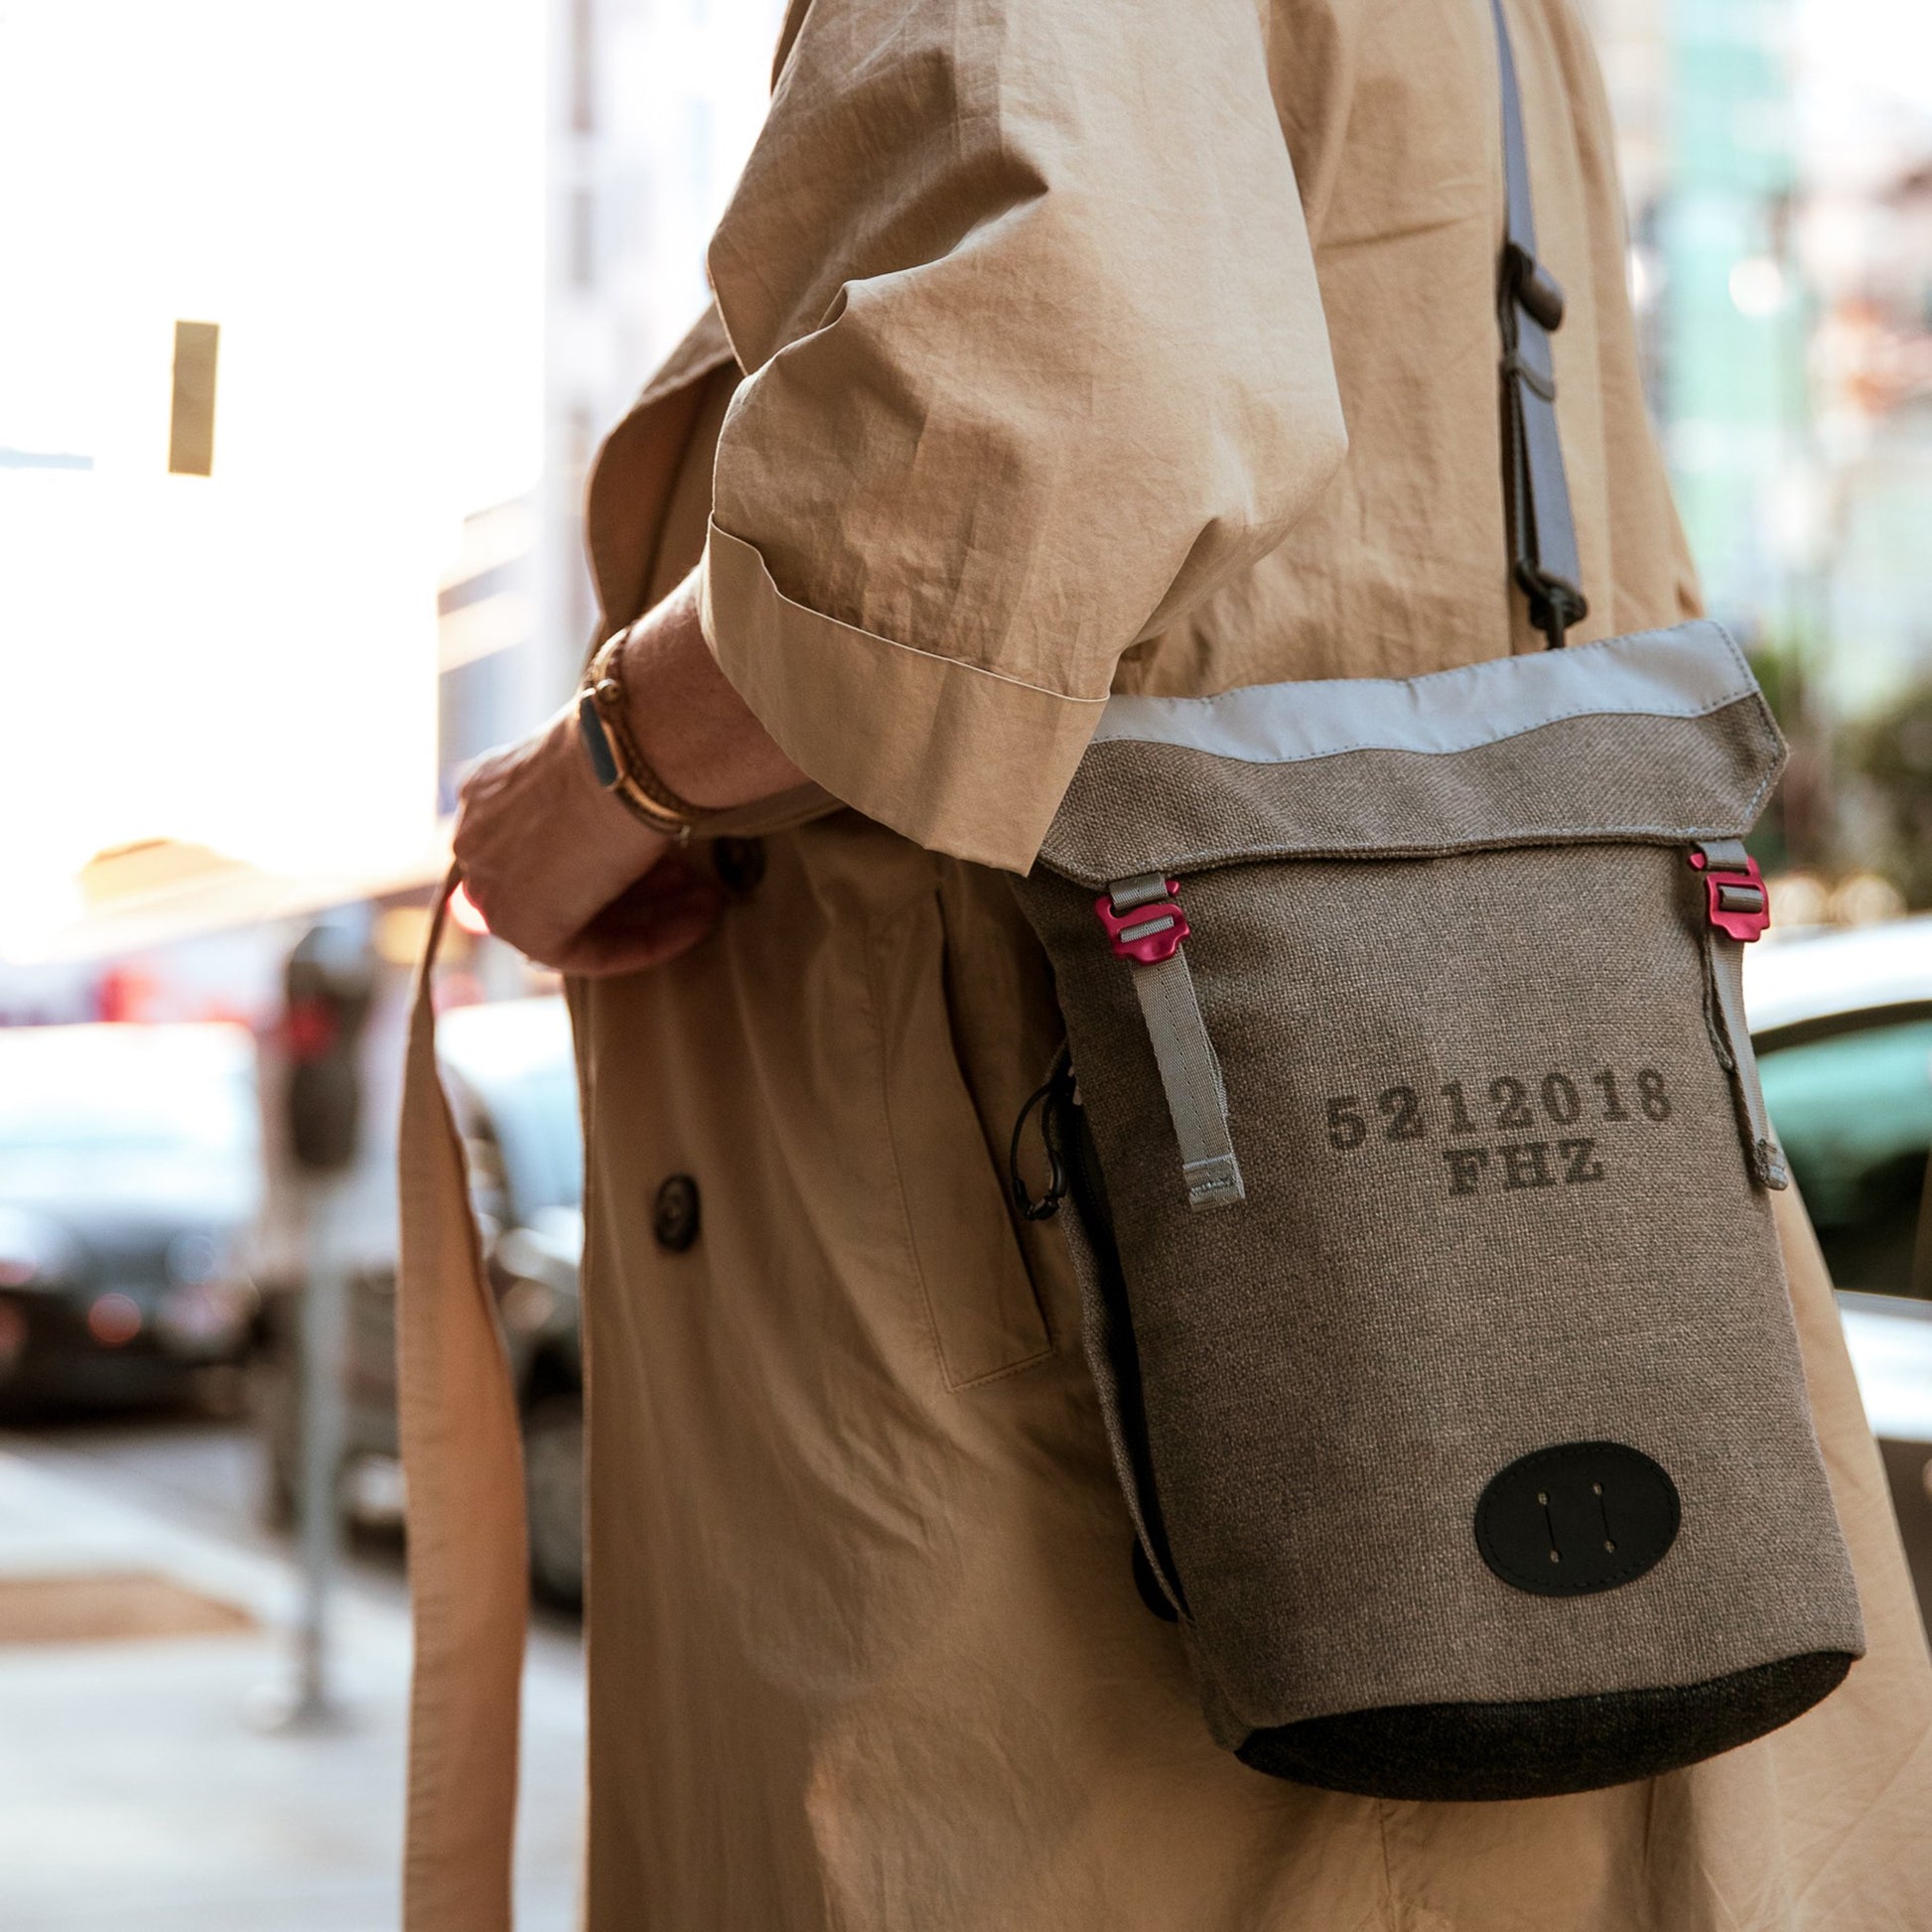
1445 1752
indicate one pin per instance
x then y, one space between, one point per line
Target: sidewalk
137 1790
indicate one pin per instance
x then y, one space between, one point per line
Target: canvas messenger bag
1416 1171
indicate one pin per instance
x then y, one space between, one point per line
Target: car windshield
534 1114
128 1111
517 1079
1855 1115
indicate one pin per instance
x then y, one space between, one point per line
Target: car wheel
553 1486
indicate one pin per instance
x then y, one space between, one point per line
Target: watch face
597 741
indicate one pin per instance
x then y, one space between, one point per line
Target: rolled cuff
959 759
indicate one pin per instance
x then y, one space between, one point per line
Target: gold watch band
633 780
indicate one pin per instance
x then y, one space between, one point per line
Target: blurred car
130 1169
1843 1022
512 1082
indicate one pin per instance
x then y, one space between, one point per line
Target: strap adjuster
1146 933
1736 901
1534 287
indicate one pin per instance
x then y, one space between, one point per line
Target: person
1059 348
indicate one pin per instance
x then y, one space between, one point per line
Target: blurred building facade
652 107
490 673
1777 157
650 110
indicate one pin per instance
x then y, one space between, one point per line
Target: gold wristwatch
620 767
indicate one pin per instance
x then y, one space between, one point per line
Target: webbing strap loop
1724 959
1191 1076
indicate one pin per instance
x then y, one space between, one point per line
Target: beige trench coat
1040 321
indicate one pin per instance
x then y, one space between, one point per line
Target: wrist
700 737
612 756
618 829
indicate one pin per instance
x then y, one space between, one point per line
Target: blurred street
140 1785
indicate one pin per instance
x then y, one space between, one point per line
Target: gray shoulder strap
1529 309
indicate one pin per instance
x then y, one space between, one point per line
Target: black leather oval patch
1577 1518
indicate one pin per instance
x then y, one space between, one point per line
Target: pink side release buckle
1148 933
1735 897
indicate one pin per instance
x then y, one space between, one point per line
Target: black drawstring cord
1049 1203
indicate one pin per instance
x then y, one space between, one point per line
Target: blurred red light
310 1029
114 1321
463 910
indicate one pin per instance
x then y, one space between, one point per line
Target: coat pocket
979 1295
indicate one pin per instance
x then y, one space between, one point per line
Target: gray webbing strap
1727 958
1529 309
1731 1034
1191 1076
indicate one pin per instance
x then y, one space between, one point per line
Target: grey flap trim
1683 672
1658 738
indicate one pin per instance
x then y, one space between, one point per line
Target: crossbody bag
1417 1174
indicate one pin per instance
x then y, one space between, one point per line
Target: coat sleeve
1034 358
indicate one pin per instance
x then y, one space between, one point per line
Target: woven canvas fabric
1497 1199
1140 807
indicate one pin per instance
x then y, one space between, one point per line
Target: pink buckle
1736 901
1148 933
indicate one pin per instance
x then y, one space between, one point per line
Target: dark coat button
674 1215
739 863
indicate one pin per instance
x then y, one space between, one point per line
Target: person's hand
560 870
559 867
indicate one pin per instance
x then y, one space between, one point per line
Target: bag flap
1659 738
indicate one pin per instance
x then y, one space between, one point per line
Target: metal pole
309 1700
330 984
324 1309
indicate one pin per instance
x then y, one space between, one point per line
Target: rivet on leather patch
1577 1518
